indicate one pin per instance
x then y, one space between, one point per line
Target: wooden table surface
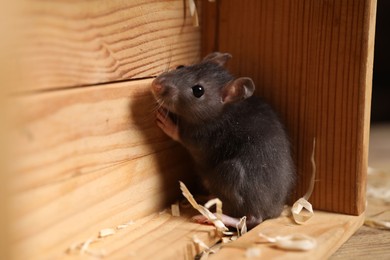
367 242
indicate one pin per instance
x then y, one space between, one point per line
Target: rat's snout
162 88
157 86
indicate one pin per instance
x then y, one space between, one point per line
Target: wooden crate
85 153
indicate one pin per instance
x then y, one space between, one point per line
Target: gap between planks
81 86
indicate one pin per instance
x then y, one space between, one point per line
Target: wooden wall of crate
313 61
88 154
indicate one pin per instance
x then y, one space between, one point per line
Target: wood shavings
378 192
203 210
226 240
295 242
301 216
83 248
218 205
106 232
205 249
175 210
252 252
125 225
379 224
200 243
193 13
241 227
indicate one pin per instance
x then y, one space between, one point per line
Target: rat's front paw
166 124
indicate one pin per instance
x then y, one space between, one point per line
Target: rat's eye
198 91
179 67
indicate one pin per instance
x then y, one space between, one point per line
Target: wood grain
87 158
171 237
72 43
312 60
330 230
366 243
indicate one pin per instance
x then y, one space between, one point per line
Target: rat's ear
238 89
218 58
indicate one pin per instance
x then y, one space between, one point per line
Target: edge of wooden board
330 230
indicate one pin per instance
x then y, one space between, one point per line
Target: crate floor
167 237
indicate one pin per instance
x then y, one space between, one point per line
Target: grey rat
239 145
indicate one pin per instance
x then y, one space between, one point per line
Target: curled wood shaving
295 242
175 210
218 205
299 215
241 227
202 210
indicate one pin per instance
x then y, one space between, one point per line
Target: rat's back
251 169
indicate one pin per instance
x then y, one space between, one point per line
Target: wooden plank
158 235
330 230
68 43
209 27
84 159
312 60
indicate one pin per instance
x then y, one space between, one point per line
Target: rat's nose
157 86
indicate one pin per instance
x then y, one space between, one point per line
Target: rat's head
199 92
